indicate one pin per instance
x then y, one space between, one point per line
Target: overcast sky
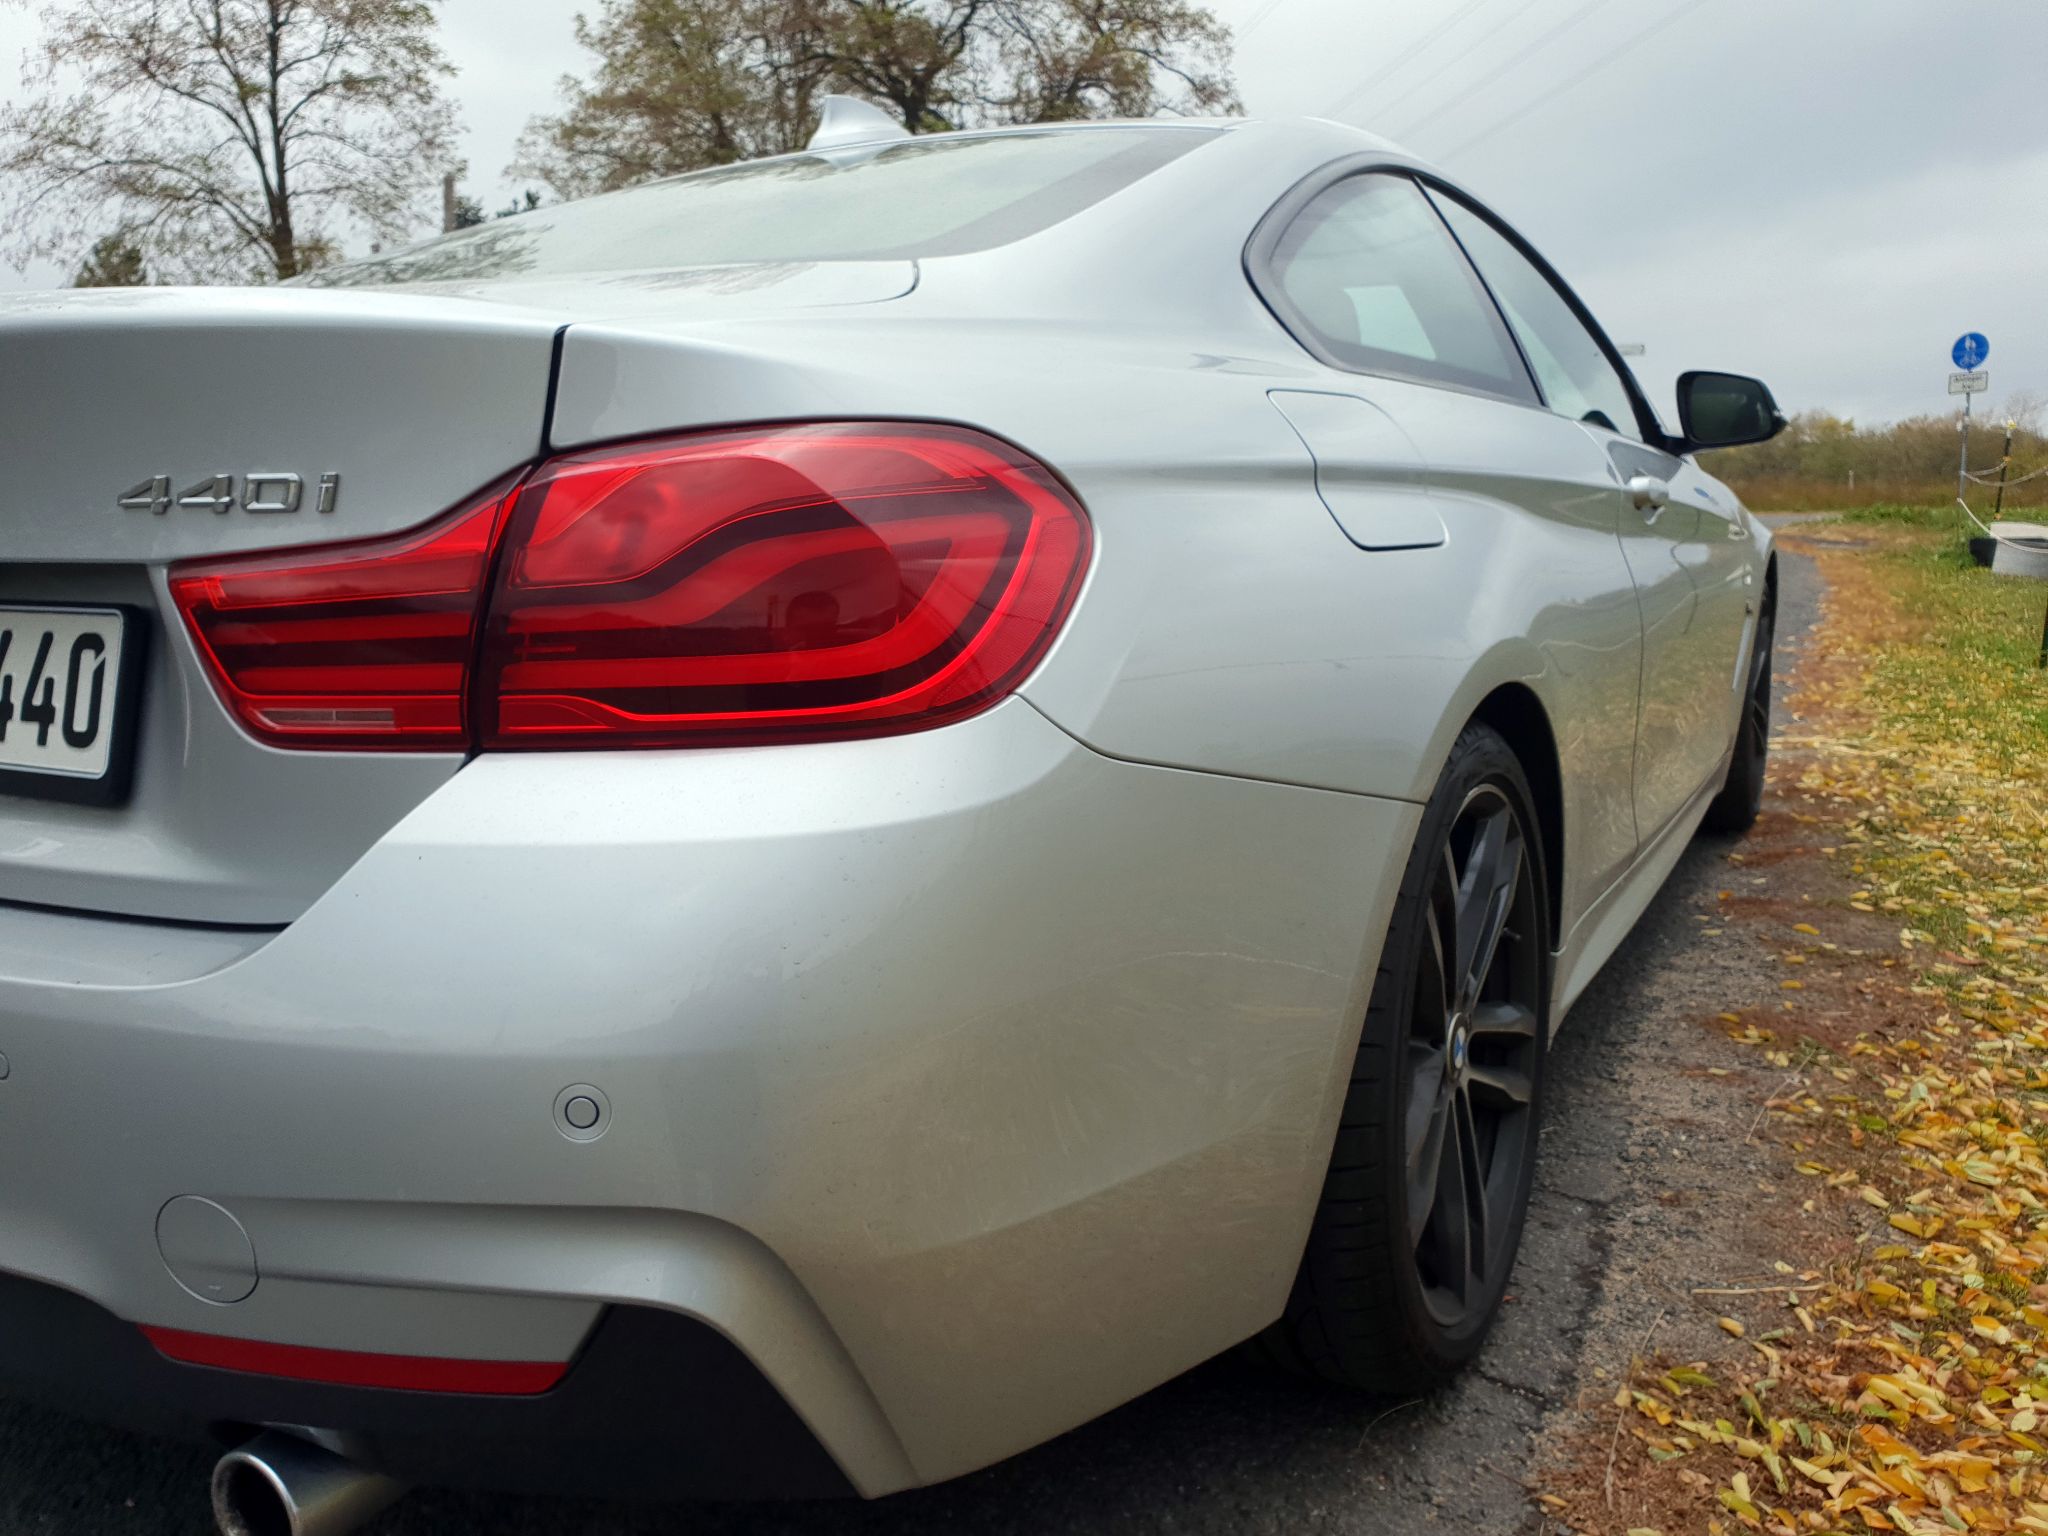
1823 192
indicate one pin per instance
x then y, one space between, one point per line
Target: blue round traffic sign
1971 349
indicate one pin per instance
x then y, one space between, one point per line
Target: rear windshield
941 196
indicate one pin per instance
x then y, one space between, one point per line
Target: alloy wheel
1472 1058
1758 703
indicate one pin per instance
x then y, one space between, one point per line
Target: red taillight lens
794 582
774 584
350 645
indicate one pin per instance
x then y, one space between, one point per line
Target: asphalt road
1633 1134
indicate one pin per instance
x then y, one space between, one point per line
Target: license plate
65 705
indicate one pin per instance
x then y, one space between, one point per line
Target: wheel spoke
1493 869
1500 1070
1428 1081
1759 703
1440 955
1425 1084
1425 1163
1472 1176
1503 1021
1500 1083
1441 1238
1760 664
1444 914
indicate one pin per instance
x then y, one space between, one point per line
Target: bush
1822 462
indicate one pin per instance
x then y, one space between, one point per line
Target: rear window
941 196
1368 272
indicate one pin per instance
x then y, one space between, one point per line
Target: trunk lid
413 402
410 404
404 401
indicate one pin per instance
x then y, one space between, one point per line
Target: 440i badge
260 493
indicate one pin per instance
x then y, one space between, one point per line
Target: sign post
1970 349
2004 464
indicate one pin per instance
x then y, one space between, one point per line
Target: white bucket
2022 550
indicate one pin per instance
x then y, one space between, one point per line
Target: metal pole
1998 507
1963 458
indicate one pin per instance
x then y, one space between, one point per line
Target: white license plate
60 685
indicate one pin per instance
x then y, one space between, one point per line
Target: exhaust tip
247 1500
280 1485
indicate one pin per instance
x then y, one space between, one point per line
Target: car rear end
574 965
343 1067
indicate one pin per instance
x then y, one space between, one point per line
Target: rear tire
1405 1267
1735 809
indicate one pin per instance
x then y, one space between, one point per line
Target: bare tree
922 57
231 139
954 63
2025 408
682 84
1113 58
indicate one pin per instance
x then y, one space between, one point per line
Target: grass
1918 514
1959 711
1911 1394
1966 661
1795 493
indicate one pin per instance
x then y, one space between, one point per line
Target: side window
1575 376
1369 273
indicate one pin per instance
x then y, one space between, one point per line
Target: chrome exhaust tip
281 1485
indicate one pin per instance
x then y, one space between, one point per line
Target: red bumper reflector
347 1368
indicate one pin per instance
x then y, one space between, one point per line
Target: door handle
1649 494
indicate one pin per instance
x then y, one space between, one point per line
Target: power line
1259 17
1576 80
1425 81
1540 41
1404 58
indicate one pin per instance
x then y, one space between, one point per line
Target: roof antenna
849 120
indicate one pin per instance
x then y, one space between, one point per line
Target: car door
1673 550
1704 638
1722 560
1426 431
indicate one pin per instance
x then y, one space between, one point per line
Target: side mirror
1720 410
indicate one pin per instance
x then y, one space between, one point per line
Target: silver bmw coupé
785 831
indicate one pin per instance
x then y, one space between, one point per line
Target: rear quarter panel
1228 625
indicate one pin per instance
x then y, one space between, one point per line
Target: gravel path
1637 1201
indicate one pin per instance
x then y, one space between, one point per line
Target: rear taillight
349 645
773 584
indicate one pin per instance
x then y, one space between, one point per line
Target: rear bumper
656 1405
967 1083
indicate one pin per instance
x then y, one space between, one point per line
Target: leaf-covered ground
1898 1382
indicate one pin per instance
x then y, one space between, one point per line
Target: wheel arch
1513 710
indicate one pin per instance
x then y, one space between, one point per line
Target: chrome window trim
1434 187
1266 236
